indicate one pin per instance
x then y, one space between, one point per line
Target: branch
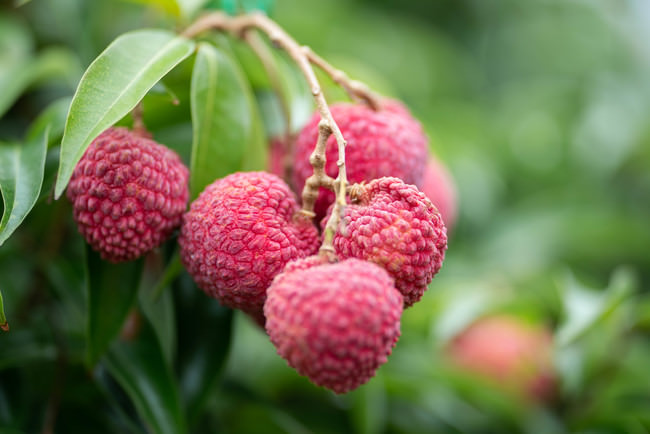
303 57
355 89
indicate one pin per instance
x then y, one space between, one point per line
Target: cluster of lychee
245 241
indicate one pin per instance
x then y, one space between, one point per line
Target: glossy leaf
112 85
204 329
140 368
226 130
111 293
21 178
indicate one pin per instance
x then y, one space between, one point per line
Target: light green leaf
226 127
169 6
21 178
139 367
112 85
16 47
112 290
585 308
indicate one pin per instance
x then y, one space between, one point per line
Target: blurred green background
540 110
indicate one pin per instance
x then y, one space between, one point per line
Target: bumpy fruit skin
128 194
516 355
397 227
239 233
438 185
387 142
334 323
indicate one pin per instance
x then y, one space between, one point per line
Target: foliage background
540 110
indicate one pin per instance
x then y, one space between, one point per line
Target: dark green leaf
204 334
112 85
139 367
112 290
21 178
159 309
25 346
225 121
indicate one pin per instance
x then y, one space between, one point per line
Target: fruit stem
355 89
304 57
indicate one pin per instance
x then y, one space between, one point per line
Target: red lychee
387 142
395 226
239 233
438 185
128 193
334 323
512 353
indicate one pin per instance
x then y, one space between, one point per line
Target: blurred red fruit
514 354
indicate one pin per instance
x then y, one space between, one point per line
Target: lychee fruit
239 233
512 353
128 193
334 323
387 142
278 150
438 185
395 226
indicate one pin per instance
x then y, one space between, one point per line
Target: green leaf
585 308
159 309
21 178
112 290
169 6
4 324
204 336
112 85
53 117
16 47
139 367
226 126
23 73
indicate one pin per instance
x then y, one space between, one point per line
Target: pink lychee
512 353
128 193
438 185
395 226
387 142
334 323
239 233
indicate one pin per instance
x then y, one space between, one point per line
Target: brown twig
355 89
303 57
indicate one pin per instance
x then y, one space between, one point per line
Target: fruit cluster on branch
333 311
